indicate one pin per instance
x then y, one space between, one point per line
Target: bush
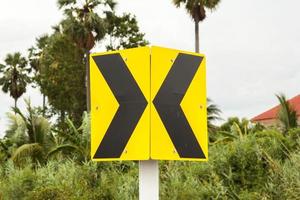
284 183
274 144
264 165
69 180
48 193
16 183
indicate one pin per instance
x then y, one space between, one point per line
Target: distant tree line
56 63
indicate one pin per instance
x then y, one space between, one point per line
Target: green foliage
34 54
33 150
293 137
51 192
74 141
62 77
16 130
17 182
82 24
235 121
256 166
59 59
15 75
274 144
28 136
235 128
68 180
213 114
284 183
197 8
260 165
123 32
286 114
189 180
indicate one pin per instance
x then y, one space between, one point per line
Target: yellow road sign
120 113
178 112
148 103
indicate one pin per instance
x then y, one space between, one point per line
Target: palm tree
15 75
36 136
213 114
84 26
31 136
82 23
197 10
287 115
35 54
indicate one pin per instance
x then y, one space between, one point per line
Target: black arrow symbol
132 104
167 103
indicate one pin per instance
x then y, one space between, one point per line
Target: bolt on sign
148 103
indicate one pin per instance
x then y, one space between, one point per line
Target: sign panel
148 103
120 113
178 110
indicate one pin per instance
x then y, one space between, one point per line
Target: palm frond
197 8
237 130
213 114
41 128
18 111
178 3
287 115
63 3
26 150
2 67
85 126
72 127
210 4
64 147
228 134
111 3
16 131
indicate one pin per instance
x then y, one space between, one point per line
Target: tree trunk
16 104
44 105
62 120
197 36
87 80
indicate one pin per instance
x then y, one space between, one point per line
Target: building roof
272 113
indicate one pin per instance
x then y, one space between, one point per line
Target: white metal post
148 180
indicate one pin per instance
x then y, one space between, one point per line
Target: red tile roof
272 113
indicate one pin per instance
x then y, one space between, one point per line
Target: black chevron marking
132 104
167 103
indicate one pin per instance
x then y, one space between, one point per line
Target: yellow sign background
193 105
150 140
104 105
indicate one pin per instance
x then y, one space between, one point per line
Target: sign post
148 180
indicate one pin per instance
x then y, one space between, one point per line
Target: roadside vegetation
246 161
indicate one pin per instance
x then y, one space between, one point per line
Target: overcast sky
252 46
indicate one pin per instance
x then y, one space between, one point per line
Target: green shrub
16 183
69 180
241 165
189 180
284 183
274 144
48 193
293 136
264 165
